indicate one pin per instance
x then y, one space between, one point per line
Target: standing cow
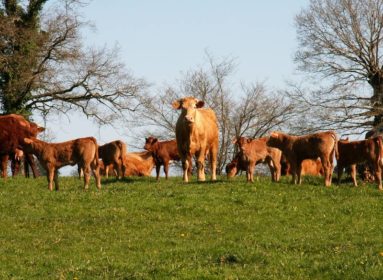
113 153
52 156
196 134
255 151
369 151
163 153
298 148
13 129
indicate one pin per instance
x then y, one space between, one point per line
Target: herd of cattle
196 137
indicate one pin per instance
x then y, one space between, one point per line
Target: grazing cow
139 163
254 151
196 134
298 148
113 153
52 156
163 153
369 151
13 129
309 167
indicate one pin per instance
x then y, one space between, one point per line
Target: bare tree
340 43
45 68
253 112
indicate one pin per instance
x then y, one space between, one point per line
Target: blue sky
159 40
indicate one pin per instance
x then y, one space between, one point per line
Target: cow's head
149 142
274 140
232 168
189 106
241 142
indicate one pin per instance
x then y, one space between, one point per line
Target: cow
139 163
52 156
255 151
113 153
298 148
163 153
196 134
13 129
351 153
309 167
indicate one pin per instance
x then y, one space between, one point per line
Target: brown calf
309 167
52 156
255 151
113 153
163 153
369 151
298 148
139 163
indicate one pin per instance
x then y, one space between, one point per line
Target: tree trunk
376 81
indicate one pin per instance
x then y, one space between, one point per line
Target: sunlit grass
142 229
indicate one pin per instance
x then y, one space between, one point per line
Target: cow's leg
50 176
4 165
117 167
213 162
86 168
185 167
299 172
96 173
80 171
123 169
158 168
15 166
327 170
166 168
353 174
200 156
277 170
340 173
107 171
56 180
31 161
293 169
250 171
378 174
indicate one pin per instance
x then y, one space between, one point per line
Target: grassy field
142 229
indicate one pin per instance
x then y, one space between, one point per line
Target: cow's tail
123 150
380 145
96 162
335 150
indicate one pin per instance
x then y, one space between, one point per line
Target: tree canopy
45 68
340 41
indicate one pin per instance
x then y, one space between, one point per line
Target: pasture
142 229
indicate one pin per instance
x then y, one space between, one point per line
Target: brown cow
52 156
298 148
196 134
139 163
163 153
309 167
13 129
369 151
255 151
113 153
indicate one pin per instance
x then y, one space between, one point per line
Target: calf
196 134
139 163
52 156
298 148
255 151
163 152
369 151
309 167
113 153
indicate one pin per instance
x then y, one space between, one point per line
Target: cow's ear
154 140
274 134
248 140
40 129
176 104
199 104
28 140
235 140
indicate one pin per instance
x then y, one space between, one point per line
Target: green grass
143 229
